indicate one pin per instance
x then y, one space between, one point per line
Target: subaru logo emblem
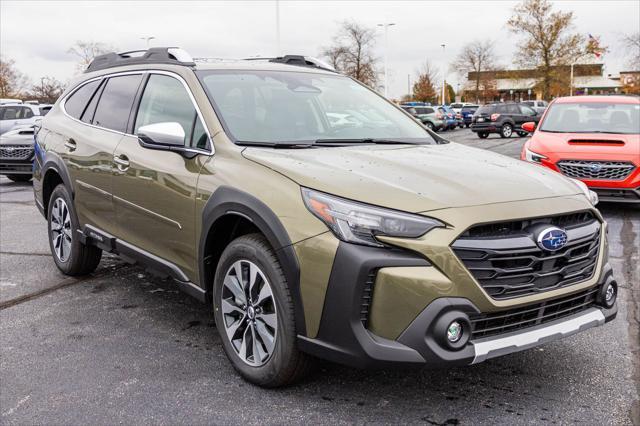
552 239
595 167
10 149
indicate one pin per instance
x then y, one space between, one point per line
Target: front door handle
122 162
71 144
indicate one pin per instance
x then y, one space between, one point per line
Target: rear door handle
122 162
71 144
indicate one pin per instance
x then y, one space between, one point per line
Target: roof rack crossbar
154 55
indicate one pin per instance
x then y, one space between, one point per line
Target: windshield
271 107
593 118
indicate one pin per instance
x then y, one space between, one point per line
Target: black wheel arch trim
230 201
52 161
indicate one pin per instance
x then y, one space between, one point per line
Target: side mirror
529 126
169 133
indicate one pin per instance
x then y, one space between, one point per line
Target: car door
100 110
154 190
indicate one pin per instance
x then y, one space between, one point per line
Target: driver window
166 100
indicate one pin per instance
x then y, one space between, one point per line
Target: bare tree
547 42
352 52
477 58
632 43
85 51
424 89
47 91
12 81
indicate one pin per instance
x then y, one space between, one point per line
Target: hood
588 145
415 178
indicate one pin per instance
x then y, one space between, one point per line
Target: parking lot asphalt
121 346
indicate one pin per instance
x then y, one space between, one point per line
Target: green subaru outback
368 240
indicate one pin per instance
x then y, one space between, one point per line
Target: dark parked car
504 119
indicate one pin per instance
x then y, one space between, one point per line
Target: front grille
506 261
485 325
614 194
15 152
367 297
603 170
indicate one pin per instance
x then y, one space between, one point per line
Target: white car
457 106
538 106
17 115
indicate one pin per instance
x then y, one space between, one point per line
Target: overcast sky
37 35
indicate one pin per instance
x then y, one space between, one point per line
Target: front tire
254 314
70 255
483 135
19 178
506 131
429 125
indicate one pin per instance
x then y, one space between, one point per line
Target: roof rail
298 60
154 55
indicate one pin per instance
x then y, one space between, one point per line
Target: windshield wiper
366 141
289 145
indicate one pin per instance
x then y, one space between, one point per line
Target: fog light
454 332
610 294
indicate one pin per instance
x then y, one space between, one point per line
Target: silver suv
19 115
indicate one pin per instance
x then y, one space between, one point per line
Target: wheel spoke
243 346
235 288
228 308
265 293
270 319
267 338
232 329
237 267
253 277
258 352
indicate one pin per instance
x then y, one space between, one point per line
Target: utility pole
386 57
148 40
277 27
444 75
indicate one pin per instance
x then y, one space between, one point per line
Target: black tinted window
116 102
513 109
87 115
527 110
76 103
45 110
486 109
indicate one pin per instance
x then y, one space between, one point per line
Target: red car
595 139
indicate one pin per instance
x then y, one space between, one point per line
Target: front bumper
21 167
345 336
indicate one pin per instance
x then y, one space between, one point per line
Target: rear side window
45 110
27 113
165 100
76 103
486 109
513 109
116 101
89 111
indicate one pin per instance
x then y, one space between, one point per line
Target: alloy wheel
60 226
249 313
507 131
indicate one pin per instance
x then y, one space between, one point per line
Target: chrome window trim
143 72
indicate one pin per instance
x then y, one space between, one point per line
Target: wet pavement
121 346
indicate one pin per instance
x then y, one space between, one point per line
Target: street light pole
444 74
386 57
277 27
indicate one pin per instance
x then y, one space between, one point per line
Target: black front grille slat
526 269
367 297
486 325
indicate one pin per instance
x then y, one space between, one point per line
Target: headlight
533 157
591 196
360 223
